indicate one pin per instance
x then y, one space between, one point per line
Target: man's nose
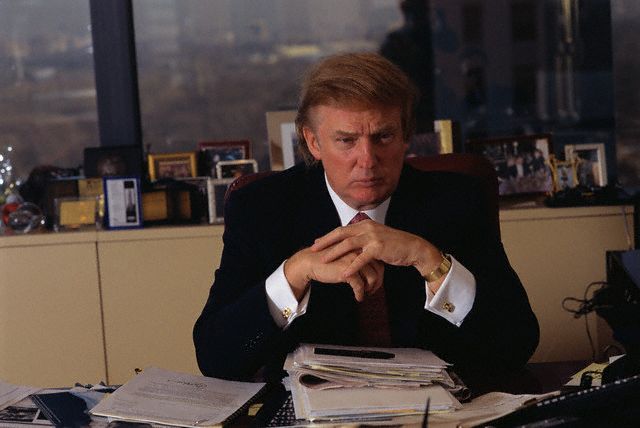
367 154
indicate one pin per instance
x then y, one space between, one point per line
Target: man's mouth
369 182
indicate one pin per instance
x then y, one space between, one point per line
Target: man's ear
312 142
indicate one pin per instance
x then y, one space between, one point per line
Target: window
209 70
47 90
472 22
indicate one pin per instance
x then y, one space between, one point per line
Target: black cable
585 306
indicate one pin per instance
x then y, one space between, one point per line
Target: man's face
361 149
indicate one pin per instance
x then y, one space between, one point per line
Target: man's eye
346 140
386 138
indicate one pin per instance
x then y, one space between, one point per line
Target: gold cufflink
448 307
286 313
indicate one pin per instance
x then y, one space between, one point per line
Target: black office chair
463 163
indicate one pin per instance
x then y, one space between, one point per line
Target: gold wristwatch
443 268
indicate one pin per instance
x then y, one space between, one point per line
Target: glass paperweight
25 218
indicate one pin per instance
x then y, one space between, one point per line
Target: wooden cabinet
558 252
91 306
50 318
154 285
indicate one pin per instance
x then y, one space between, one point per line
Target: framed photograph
76 213
564 175
113 161
522 163
289 138
235 169
217 189
122 202
275 132
424 144
590 163
172 165
212 152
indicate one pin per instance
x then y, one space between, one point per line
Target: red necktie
373 317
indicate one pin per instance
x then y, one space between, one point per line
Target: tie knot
359 217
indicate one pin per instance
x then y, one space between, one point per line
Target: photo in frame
76 213
590 163
235 169
289 138
275 121
113 161
172 165
217 190
564 174
425 144
522 163
212 152
122 202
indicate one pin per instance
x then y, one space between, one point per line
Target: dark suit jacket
269 220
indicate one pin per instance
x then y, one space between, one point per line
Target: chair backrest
464 163
471 164
243 180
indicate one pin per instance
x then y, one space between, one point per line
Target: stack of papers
330 366
338 383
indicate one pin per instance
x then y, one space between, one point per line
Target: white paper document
332 366
367 358
166 397
368 403
11 394
483 409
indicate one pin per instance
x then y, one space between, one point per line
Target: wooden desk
535 378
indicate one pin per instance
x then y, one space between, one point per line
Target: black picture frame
217 191
235 169
113 161
212 152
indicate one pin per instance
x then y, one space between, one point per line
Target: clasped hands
355 254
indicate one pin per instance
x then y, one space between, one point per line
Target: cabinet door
50 325
154 287
557 253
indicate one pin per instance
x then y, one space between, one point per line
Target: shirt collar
346 213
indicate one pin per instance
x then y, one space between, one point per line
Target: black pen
425 419
357 353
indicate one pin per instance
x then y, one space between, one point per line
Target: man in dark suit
295 270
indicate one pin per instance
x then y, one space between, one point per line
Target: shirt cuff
283 305
456 295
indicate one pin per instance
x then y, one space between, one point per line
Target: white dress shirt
453 301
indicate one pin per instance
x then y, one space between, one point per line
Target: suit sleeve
501 330
235 333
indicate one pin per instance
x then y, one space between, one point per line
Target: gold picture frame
564 174
172 165
74 213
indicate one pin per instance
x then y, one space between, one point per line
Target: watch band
443 268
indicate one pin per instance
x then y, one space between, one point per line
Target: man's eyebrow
341 133
383 129
386 128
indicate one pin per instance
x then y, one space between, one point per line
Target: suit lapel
317 214
408 211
